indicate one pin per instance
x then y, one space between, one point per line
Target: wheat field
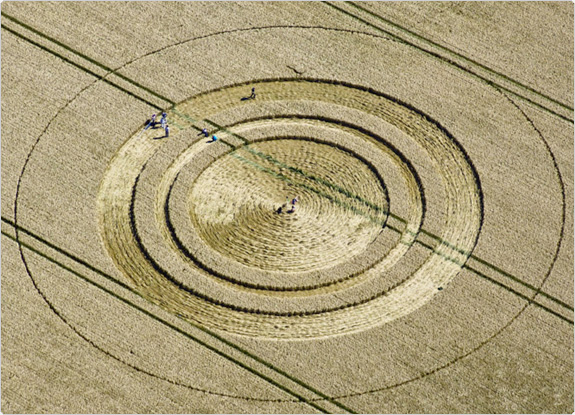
357 207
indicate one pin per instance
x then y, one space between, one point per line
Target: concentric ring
365 304
358 209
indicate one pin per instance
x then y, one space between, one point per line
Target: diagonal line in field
316 179
460 66
460 56
531 300
144 311
168 324
296 170
332 199
91 60
191 120
377 208
65 59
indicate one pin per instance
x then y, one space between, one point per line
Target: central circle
341 205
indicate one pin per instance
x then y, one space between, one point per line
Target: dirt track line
459 65
191 120
91 60
494 268
214 349
452 52
65 59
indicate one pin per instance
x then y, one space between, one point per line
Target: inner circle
243 205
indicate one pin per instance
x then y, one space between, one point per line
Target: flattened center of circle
241 205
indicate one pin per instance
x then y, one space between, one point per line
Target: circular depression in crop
243 209
217 251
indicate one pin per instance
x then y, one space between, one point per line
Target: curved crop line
441 129
249 29
187 253
280 176
257 287
561 186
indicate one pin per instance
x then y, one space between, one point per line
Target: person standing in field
204 132
164 120
152 122
214 138
252 96
167 130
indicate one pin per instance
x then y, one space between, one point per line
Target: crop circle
219 188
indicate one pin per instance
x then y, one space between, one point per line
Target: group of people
163 122
206 134
283 207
